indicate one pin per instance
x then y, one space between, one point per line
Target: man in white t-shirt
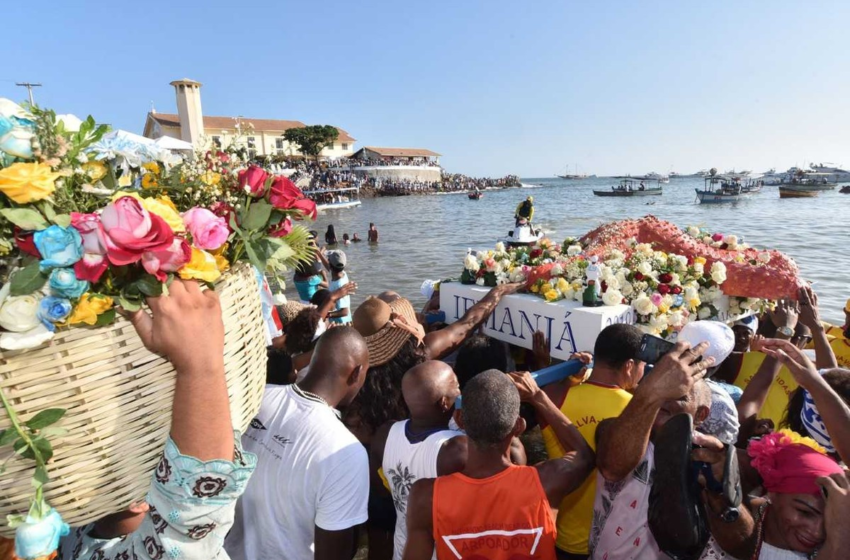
311 486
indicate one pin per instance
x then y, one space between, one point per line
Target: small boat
797 191
572 176
753 186
845 189
475 195
628 187
721 188
813 181
523 235
335 199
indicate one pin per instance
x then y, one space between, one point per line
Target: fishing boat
752 186
335 199
477 195
797 191
834 173
813 181
631 187
720 189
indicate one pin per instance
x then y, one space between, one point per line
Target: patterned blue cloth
192 505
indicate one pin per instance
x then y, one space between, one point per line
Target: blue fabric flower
36 537
64 283
5 125
53 310
59 247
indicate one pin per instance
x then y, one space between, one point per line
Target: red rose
604 286
665 278
284 193
535 253
663 289
25 243
638 276
677 290
717 237
130 231
253 180
307 208
282 229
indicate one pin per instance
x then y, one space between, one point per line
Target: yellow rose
551 295
88 308
161 206
563 285
221 261
534 289
125 180
202 266
151 166
95 170
149 181
27 182
210 178
700 260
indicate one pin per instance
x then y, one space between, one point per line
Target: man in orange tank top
492 509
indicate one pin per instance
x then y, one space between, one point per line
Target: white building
261 137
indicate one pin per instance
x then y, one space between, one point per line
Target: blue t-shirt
343 303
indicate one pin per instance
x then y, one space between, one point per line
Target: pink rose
209 232
253 180
284 193
130 231
281 229
93 264
307 208
166 260
717 237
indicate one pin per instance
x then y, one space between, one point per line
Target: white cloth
770 552
404 463
311 471
720 337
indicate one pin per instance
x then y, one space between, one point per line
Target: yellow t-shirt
780 391
586 406
841 346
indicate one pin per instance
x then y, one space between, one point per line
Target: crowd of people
350 163
731 445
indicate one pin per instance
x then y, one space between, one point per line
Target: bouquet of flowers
91 219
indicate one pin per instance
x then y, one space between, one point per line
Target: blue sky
497 87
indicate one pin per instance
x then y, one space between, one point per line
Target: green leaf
149 285
105 318
25 218
45 418
129 304
23 449
62 220
254 256
52 431
48 210
257 216
44 448
15 520
27 280
7 436
39 477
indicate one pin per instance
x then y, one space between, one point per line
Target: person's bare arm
452 456
334 545
621 442
837 491
560 475
376 458
440 344
326 309
201 426
420 524
755 395
833 410
810 316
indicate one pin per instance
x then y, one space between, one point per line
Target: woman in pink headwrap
790 524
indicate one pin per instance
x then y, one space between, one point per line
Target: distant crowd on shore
350 163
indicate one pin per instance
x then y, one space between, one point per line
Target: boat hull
338 205
788 192
472 196
647 192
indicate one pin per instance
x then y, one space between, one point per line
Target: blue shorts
308 288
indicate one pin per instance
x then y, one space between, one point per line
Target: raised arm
621 442
755 396
833 410
810 316
561 475
440 344
326 310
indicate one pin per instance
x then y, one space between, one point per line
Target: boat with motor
661 179
632 187
573 176
751 186
834 174
335 199
476 195
813 181
720 189
797 191
523 235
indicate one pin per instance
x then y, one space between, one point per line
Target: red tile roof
401 152
229 123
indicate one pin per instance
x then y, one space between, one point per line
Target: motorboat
720 189
523 235
834 173
335 199
476 195
572 176
631 187
813 181
648 177
797 191
752 186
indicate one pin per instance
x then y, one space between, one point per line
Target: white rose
573 250
718 272
612 297
500 247
707 239
19 313
25 340
764 257
693 231
480 281
658 323
676 319
704 313
471 263
517 275
691 294
644 248
643 305
645 268
699 269
680 262
557 270
731 240
626 289
612 283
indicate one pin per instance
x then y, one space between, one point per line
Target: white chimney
189 110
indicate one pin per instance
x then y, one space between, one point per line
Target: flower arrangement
92 219
666 290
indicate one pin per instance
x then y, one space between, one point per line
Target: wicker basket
118 398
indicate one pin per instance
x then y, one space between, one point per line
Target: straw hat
289 310
378 322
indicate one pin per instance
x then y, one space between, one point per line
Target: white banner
569 327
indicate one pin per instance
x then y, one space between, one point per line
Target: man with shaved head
423 446
311 486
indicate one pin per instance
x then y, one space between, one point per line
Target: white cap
720 337
428 287
751 322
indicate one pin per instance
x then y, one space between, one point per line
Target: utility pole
29 87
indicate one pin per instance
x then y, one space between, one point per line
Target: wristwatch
785 331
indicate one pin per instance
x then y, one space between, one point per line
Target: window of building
252 147
344 146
